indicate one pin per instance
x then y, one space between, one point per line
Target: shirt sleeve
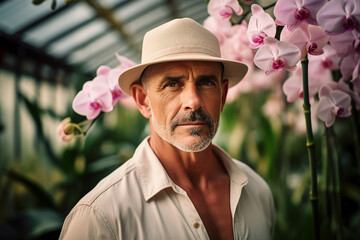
86 222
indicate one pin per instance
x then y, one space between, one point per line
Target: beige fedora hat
180 40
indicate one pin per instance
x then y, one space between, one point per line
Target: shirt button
196 225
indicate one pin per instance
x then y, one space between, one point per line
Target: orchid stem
310 144
92 123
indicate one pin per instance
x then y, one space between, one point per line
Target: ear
140 97
225 88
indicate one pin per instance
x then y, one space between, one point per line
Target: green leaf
35 112
37 190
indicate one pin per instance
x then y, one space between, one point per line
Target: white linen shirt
140 201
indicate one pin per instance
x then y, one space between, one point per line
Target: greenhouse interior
294 119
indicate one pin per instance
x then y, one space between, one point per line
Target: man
178 185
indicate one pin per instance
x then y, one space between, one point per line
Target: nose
191 98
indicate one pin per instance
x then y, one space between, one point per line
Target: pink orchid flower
293 12
346 43
308 38
338 16
348 65
276 55
293 86
236 47
220 28
109 77
223 9
255 81
344 87
261 25
332 104
92 99
320 63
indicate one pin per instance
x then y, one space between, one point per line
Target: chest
214 210
176 216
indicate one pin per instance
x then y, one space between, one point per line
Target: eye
207 82
172 84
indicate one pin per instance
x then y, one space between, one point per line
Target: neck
187 169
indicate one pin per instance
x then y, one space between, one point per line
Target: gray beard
168 134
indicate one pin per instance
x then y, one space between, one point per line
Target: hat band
188 49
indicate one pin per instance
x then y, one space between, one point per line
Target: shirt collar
236 174
152 175
154 178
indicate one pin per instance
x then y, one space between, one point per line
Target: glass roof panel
59 23
132 9
88 51
160 13
16 14
77 37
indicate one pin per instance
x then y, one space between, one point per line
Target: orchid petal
261 25
333 103
220 28
341 99
93 98
338 16
125 62
275 55
348 65
264 57
223 8
284 11
299 38
292 12
325 91
292 88
343 43
289 52
102 70
355 74
324 111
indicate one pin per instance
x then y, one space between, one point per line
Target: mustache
197 115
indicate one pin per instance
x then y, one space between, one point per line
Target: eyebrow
211 77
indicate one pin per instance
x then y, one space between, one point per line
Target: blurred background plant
42 178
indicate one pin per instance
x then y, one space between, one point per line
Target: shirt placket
192 217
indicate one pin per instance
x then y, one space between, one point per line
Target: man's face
186 99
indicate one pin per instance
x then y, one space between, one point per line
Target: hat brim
233 71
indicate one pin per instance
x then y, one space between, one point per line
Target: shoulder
98 214
115 181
